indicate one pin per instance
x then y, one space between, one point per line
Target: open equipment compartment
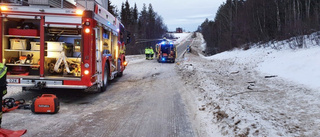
21 49
63 52
18 56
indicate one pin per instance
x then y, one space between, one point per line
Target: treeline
241 22
144 26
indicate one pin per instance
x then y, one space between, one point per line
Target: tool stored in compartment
46 103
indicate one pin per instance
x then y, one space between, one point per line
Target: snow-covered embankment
257 92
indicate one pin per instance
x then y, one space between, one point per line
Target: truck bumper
51 86
48 82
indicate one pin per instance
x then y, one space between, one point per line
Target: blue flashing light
109 23
171 43
163 42
163 59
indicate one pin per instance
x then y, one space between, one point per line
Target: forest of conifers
241 22
144 26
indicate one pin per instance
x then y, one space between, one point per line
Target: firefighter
151 53
3 85
147 52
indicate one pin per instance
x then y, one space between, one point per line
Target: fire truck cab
45 47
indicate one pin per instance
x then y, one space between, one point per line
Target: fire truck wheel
120 74
24 89
105 77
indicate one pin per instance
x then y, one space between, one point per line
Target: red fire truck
45 47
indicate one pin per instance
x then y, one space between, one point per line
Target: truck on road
166 51
48 47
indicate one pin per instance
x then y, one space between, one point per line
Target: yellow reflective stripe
3 71
4 92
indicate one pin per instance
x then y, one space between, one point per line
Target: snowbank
231 89
299 65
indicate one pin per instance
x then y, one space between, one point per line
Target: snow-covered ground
299 65
257 92
181 37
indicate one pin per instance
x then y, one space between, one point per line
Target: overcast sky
188 14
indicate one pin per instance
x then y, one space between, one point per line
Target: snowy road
197 96
145 101
181 48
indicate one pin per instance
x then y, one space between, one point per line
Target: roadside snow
234 92
300 65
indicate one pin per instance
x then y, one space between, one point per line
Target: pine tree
126 14
135 14
151 22
112 9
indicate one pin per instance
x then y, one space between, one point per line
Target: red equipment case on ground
47 103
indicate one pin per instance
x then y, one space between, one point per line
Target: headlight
4 8
86 72
125 63
79 12
87 30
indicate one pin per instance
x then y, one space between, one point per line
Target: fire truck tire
120 74
105 77
24 89
173 60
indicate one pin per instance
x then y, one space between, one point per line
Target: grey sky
188 14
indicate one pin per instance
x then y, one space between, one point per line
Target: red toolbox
24 32
46 103
18 70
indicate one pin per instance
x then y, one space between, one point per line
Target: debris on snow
270 76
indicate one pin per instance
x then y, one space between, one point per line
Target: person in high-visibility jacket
3 85
151 53
147 52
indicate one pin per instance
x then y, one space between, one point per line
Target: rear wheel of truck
120 73
24 88
105 78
